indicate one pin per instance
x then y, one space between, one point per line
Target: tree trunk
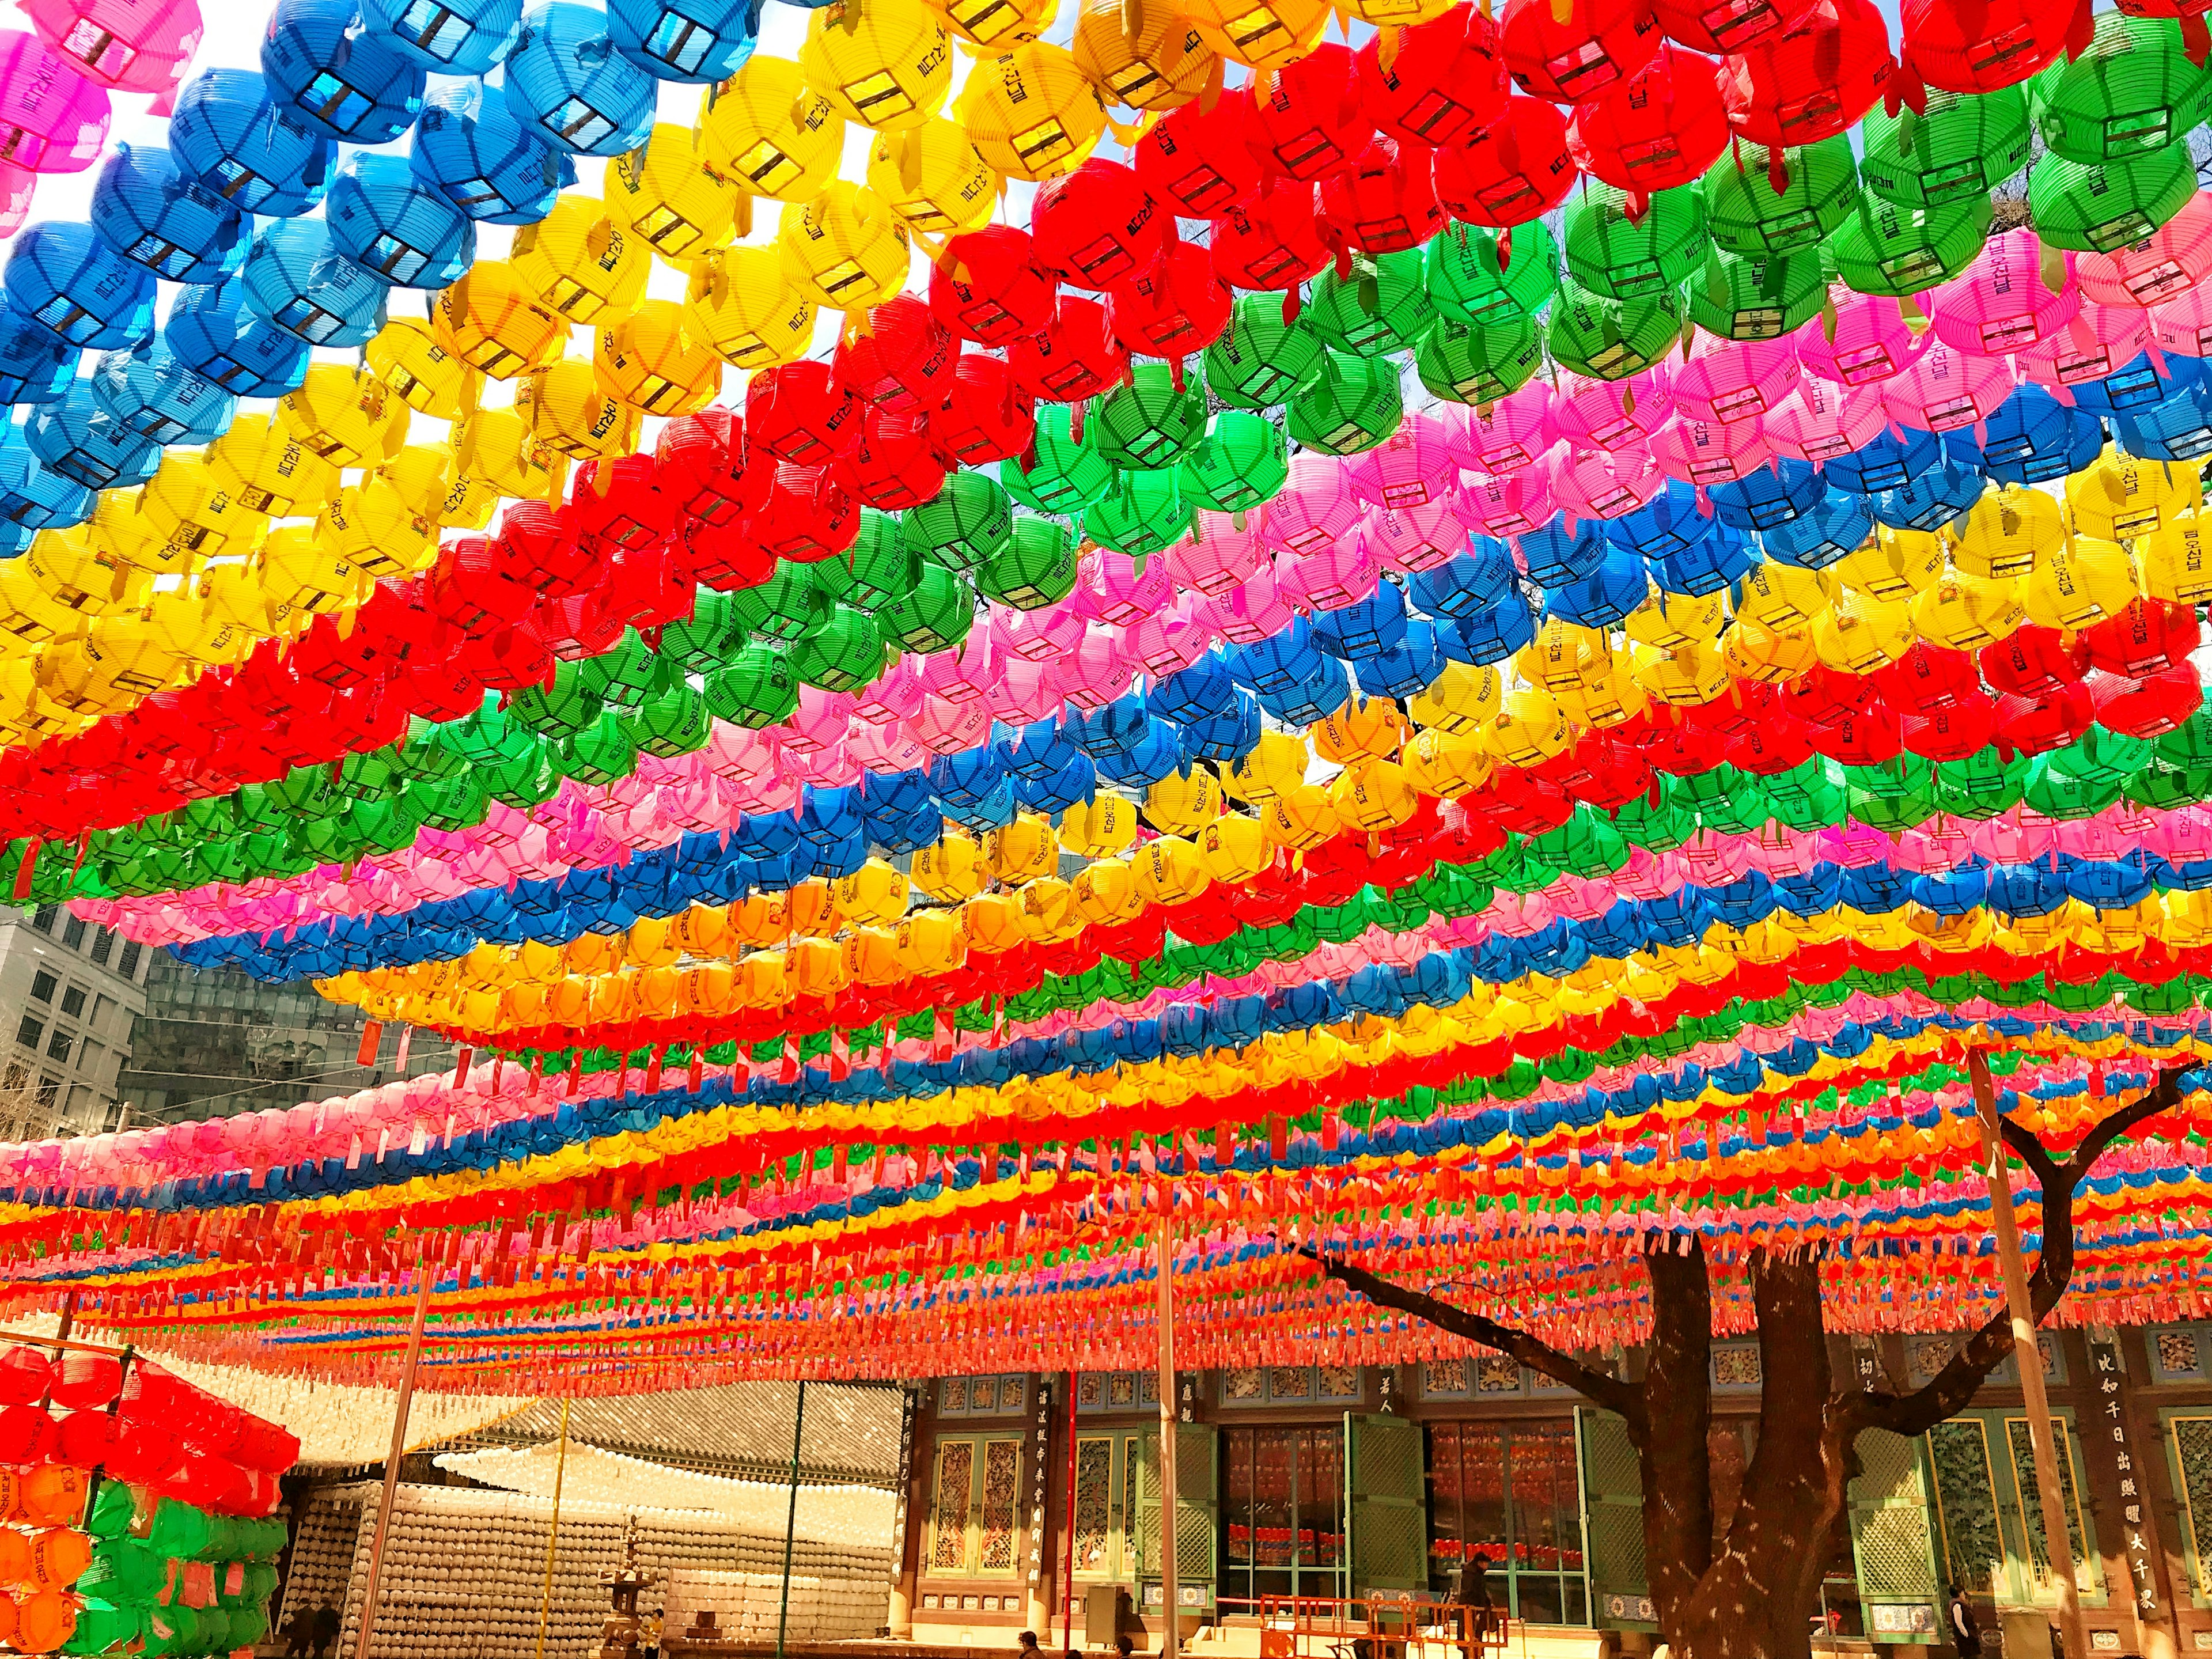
1756 1595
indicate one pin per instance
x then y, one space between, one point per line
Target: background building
71 994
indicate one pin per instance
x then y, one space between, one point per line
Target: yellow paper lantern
1024 849
1363 728
568 410
1373 795
993 923
932 942
1164 65
181 515
1446 763
932 179
954 869
494 321
1234 848
374 527
1963 612
1168 870
1049 911
742 303
2119 496
1031 114
885 64
1098 828
1184 801
667 195
303 570
1894 565
2176 563
422 474
764 129
1276 763
844 249
497 448
406 356
1460 699
1564 655
646 360
1754 651
2084 581
1268 34
2006 532
1527 729
267 470
997 22
578 262
348 416
1672 621
872 895
1301 817
1106 893
1684 677
1776 595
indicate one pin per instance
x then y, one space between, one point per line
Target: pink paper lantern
1510 504
1219 554
1601 483
119 44
2093 344
1256 610
1515 431
1735 379
1411 467
1330 578
1314 507
2171 261
1821 420
2000 302
1416 539
1708 452
1870 340
51 119
1613 414
1945 390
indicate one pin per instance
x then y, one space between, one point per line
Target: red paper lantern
807 516
616 500
1858 739
1076 358
2033 662
1201 161
725 556
2195 38
700 463
986 415
2148 707
1573 53
472 587
1272 239
1951 733
1985 45
895 466
1308 117
542 550
1926 677
1097 226
1723 26
2036 725
1812 81
899 357
2146 637
1177 307
988 287
25 1375
1512 171
1658 129
799 412
1446 78
1386 201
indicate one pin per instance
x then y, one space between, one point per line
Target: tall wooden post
553 1541
422 1275
2028 1357
1067 1545
1171 1640
791 1517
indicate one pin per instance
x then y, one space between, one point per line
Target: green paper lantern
1064 476
847 655
699 642
624 675
671 722
522 781
1353 404
1891 797
1038 570
935 616
1885 248
756 688
1464 281
1756 297
2133 91
1143 512
453 804
605 752
969 523
794 604
1965 145
1240 462
1611 339
562 709
1745 214
1611 255
1379 306
2099 207
1147 421
878 569
1260 360
1480 363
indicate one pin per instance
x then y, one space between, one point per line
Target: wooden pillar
1171 1640
422 1274
2028 1355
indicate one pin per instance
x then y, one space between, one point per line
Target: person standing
325 1628
1959 1623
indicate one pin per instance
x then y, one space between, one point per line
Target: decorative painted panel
1002 1489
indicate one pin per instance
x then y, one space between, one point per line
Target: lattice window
2192 1453
1002 1468
1966 1500
1337 1381
1735 1367
973 1516
955 1473
2177 1353
1094 1492
1243 1382
2031 1501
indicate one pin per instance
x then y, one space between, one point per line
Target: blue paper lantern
1770 495
470 148
34 366
396 227
155 216
2137 385
1606 596
2033 438
297 279
1487 636
697 41
1467 583
1705 566
1554 557
78 439
1408 668
32 498
568 85
1832 528
157 395
1671 521
340 80
447 36
245 143
1931 500
1891 461
2179 429
71 283
214 331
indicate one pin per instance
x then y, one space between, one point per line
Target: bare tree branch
1950 1389
1610 1392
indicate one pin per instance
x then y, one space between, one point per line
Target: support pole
398 1450
791 1517
2028 1357
553 1543
1171 1639
1067 1550
68 1319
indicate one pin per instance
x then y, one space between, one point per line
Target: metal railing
1376 1628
